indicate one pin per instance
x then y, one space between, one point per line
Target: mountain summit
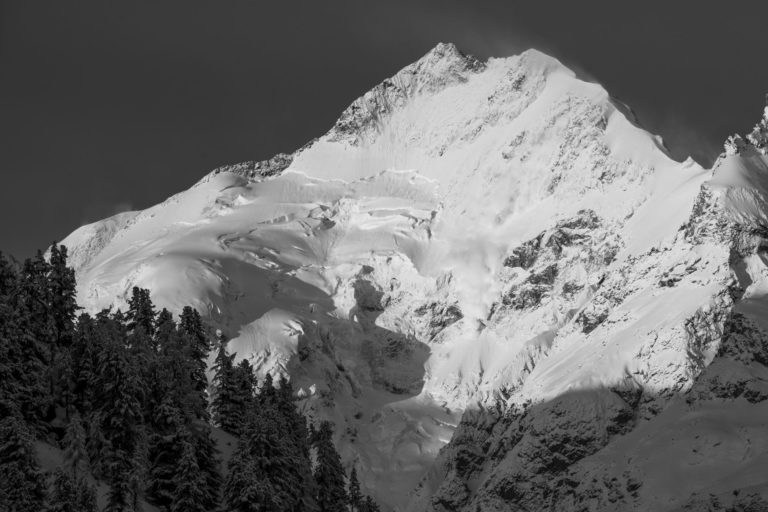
493 241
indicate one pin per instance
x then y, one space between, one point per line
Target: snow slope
468 233
653 395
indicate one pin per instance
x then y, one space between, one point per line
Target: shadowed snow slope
468 234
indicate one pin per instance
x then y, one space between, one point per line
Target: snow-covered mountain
495 240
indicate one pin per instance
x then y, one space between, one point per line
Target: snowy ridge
469 234
643 402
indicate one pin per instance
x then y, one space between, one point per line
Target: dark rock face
544 260
525 255
552 456
263 169
567 233
521 459
739 370
396 360
570 453
441 316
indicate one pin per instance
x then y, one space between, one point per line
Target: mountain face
504 293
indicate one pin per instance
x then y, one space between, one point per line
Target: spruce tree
243 396
295 427
75 453
369 505
71 494
13 386
121 392
62 286
245 490
224 406
264 474
22 484
189 481
208 463
83 354
138 475
353 491
34 302
329 473
141 312
23 356
165 330
85 497
192 329
63 496
164 453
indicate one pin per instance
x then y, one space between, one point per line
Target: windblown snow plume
490 237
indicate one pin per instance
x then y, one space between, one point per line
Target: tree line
126 397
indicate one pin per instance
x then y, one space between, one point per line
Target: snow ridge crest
442 66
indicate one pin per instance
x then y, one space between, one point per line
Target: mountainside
490 237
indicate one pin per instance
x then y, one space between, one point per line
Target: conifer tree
329 473
264 474
167 375
75 453
193 331
164 453
267 392
208 462
35 306
165 330
141 312
369 505
23 357
63 496
34 296
224 406
85 497
22 484
71 494
294 426
13 388
353 491
243 397
83 355
189 481
284 400
62 291
121 418
137 475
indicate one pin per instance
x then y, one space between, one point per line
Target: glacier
478 262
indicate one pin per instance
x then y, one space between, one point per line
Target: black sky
107 106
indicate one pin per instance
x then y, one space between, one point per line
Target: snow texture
490 237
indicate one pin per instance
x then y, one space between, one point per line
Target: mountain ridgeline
502 293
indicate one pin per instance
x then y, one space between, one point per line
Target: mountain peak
440 67
462 231
446 53
757 138
444 49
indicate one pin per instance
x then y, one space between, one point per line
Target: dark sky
107 106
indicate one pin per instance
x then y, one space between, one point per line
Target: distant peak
444 51
757 138
534 55
444 58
